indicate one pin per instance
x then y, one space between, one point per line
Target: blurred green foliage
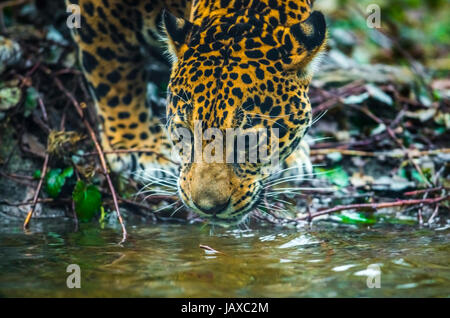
56 179
422 28
87 199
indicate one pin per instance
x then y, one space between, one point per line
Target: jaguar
236 64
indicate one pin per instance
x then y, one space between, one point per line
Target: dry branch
38 190
375 206
101 155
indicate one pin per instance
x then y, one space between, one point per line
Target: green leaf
68 172
9 97
402 173
437 95
390 219
31 99
55 180
337 176
427 175
102 218
379 94
354 218
88 200
356 99
37 174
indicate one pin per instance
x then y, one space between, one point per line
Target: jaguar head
245 74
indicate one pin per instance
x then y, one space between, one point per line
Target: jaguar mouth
227 217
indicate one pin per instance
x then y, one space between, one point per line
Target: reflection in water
167 261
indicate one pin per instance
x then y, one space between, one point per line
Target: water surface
165 260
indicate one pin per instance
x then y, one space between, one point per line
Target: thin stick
100 154
375 206
47 201
43 110
210 249
345 152
18 178
44 168
419 212
36 194
391 133
417 192
435 213
75 217
331 100
394 153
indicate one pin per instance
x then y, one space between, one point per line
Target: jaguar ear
310 38
177 30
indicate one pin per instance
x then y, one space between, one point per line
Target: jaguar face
237 73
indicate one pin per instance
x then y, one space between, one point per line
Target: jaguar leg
111 50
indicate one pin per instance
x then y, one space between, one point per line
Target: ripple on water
166 260
343 268
302 240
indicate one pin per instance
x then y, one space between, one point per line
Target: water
165 260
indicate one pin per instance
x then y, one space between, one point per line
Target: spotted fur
236 64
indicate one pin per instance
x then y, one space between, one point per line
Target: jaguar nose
216 209
210 187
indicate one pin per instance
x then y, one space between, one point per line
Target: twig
417 192
46 200
394 153
210 249
345 145
38 190
43 110
345 152
375 206
361 143
330 99
391 133
419 212
44 168
99 151
18 178
435 213
41 124
75 217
